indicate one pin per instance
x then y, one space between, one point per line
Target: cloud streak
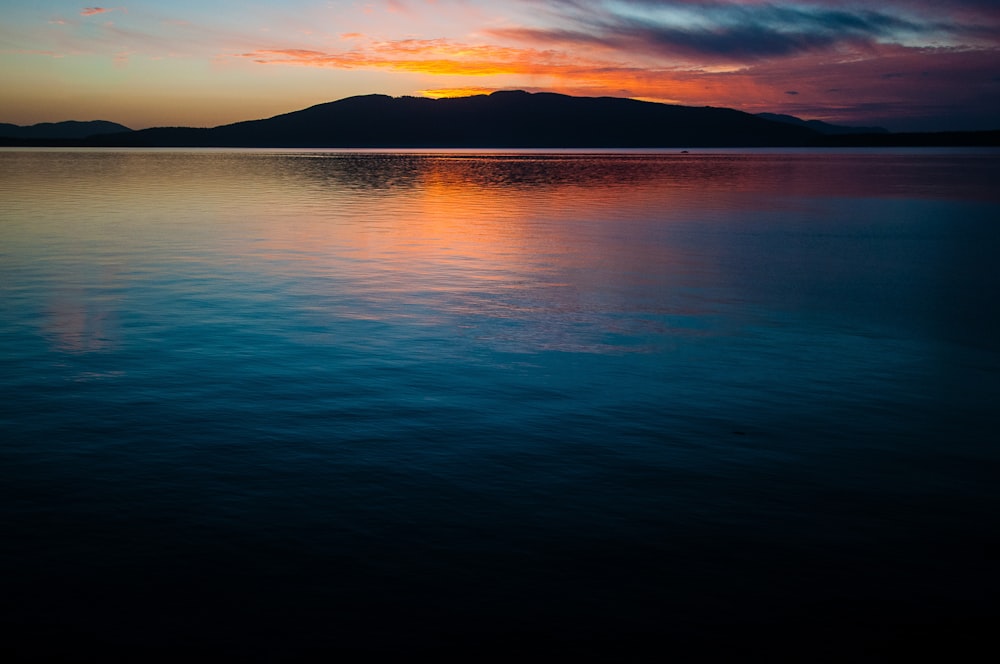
92 11
712 32
432 56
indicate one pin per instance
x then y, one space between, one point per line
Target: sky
908 65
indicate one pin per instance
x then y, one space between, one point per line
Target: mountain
510 119
822 127
57 130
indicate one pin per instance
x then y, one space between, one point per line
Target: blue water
266 404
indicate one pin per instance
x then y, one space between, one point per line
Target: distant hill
822 127
56 130
511 119
508 119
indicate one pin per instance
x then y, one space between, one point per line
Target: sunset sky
903 64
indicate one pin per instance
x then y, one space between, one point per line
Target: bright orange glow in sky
905 64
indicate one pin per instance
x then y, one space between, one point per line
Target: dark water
265 405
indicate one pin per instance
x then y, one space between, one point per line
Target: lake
282 404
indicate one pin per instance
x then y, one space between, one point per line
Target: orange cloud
429 56
442 57
90 11
440 93
544 69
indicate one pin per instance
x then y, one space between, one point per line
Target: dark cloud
742 41
713 31
891 7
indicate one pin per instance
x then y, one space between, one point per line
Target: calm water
283 403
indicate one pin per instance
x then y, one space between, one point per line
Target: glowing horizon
914 65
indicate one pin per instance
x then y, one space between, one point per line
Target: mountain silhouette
57 130
820 126
507 119
510 119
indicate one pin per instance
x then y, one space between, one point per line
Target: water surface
267 403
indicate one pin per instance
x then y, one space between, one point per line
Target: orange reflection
467 242
456 237
557 238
